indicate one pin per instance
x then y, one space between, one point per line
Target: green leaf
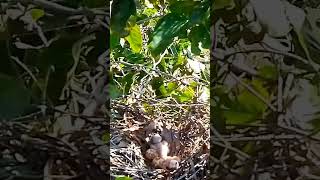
238 117
156 83
195 49
135 39
114 91
121 11
247 107
193 83
252 103
184 7
127 81
200 13
163 66
149 11
172 86
186 95
114 40
37 14
166 29
181 60
268 72
223 4
222 93
200 34
134 58
155 3
163 91
106 137
123 178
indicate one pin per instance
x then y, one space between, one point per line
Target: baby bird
161 146
158 153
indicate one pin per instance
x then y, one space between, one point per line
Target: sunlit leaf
167 28
37 14
135 39
172 86
187 94
123 178
163 90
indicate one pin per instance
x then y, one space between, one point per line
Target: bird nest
28 151
190 122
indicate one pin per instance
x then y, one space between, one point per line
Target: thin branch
227 144
282 125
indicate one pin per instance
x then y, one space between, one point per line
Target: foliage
265 80
156 43
52 74
123 178
33 43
